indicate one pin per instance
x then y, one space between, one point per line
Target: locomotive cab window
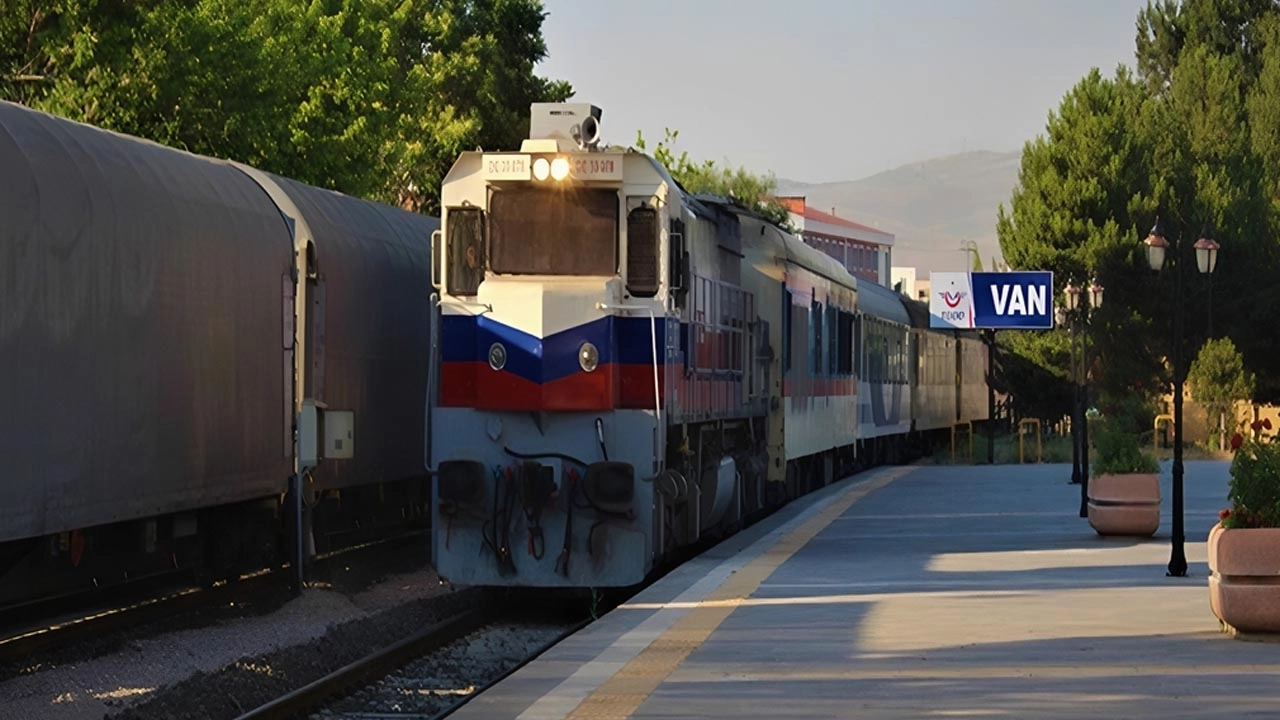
557 231
465 236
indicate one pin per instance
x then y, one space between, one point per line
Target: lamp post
1077 311
1062 318
1076 314
1095 302
1060 315
1206 260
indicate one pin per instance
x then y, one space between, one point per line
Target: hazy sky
821 90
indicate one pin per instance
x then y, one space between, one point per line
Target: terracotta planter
1244 585
1127 504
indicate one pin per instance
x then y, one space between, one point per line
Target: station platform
917 592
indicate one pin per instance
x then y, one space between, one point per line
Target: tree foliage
374 98
1224 27
1078 187
756 192
1190 138
1218 379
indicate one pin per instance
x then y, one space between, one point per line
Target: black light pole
1095 302
1067 317
1078 315
990 337
1206 260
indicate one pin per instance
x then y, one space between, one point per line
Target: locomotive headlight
588 357
560 168
541 168
497 356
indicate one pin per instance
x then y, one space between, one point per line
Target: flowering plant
1255 480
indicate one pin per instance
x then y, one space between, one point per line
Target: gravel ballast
221 670
439 680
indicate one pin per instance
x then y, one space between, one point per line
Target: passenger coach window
816 353
834 338
642 252
465 231
845 353
801 336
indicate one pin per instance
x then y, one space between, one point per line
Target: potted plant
1124 492
1244 546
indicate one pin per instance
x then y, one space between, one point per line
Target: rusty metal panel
373 263
140 329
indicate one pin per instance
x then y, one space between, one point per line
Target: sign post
991 301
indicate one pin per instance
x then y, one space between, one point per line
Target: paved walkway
919 592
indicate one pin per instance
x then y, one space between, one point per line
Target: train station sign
1020 300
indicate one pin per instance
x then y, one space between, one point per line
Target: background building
863 250
906 281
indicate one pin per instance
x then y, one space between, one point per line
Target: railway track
131 607
431 673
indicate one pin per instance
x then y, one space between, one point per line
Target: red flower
1236 441
1266 423
1224 514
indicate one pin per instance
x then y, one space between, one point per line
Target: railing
1022 424
718 326
961 423
1155 432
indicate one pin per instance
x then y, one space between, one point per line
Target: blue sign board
1020 300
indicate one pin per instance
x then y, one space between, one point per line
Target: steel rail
380 663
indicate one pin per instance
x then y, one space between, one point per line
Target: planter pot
1126 504
1244 585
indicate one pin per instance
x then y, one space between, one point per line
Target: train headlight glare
588 357
560 168
497 356
541 168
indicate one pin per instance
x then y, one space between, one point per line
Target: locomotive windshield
560 231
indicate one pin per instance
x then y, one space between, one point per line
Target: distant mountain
932 207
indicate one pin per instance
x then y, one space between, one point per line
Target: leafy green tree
1079 192
1192 139
756 192
1212 71
1206 179
1167 28
1218 379
1264 106
374 98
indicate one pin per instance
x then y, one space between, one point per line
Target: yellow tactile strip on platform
622 694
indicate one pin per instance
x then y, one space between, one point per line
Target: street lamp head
1206 255
1072 295
1059 315
1157 245
1095 294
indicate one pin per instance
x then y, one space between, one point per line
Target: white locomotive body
623 369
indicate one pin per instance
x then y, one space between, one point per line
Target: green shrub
1118 451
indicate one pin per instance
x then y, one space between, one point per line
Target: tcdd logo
952 299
